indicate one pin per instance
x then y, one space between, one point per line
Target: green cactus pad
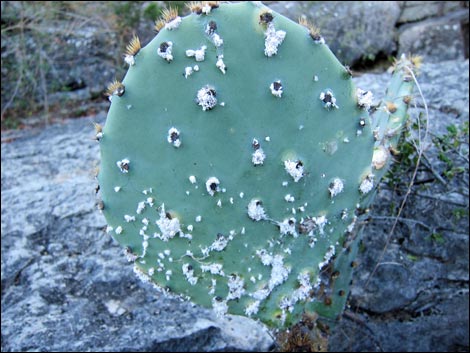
234 161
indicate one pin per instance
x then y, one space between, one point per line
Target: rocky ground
66 286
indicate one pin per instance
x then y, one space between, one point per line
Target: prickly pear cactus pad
234 158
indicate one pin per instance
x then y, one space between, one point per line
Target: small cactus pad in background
235 156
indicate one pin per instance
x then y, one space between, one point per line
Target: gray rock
436 39
354 30
425 331
413 11
464 24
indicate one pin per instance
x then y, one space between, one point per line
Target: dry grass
35 36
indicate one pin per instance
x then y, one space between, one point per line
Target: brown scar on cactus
308 335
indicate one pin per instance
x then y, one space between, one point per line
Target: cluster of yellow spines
133 47
168 15
312 29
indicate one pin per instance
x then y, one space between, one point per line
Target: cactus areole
235 159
